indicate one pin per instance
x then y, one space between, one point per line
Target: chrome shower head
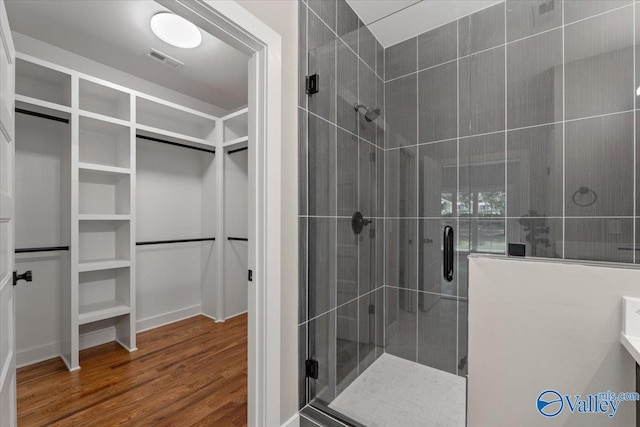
370 114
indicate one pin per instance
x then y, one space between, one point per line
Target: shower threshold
394 392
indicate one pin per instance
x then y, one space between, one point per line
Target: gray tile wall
341 171
513 124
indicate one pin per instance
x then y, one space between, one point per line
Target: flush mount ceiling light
175 30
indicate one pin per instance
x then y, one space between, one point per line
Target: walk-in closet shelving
235 177
112 142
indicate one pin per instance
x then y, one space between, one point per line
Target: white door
7 317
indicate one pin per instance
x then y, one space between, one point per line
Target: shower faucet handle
358 222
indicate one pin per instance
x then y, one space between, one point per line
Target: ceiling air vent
165 59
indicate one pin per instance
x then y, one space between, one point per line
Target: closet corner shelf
93 217
236 141
44 104
101 310
104 118
106 264
198 142
240 112
103 168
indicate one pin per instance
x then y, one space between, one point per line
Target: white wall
39 145
168 206
236 222
536 325
282 17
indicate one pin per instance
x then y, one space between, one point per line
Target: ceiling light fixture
175 30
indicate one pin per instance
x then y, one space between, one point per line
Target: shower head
370 114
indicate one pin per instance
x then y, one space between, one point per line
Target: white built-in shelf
103 168
104 99
101 310
43 104
43 83
239 142
243 111
175 137
106 264
172 118
115 217
235 125
104 140
104 118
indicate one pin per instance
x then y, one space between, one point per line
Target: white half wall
536 325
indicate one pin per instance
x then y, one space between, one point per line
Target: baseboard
292 422
103 336
99 337
236 315
167 318
38 354
209 317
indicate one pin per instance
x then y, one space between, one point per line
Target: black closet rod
238 149
241 239
160 242
41 115
42 249
177 144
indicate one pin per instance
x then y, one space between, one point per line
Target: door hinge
251 275
311 369
312 84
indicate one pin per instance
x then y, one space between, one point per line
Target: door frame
233 24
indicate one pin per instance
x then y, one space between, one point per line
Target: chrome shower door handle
447 254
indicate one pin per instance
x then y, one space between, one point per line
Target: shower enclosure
451 128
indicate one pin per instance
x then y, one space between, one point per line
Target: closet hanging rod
241 239
160 242
238 149
42 115
177 144
42 249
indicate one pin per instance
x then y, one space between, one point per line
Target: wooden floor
189 373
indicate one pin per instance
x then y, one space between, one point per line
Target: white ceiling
117 33
392 21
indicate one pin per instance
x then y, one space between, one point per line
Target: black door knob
27 276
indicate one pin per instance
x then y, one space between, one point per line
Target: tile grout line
384 207
564 145
336 125
359 210
457 181
560 122
335 253
307 385
506 132
635 202
506 42
417 210
324 313
335 33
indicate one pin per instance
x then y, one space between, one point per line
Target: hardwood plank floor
188 373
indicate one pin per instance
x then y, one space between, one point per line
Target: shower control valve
358 222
